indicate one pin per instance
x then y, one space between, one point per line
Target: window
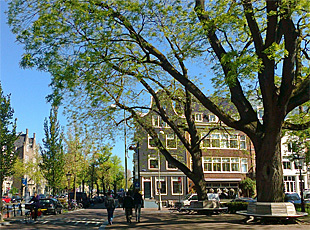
224 140
215 140
151 143
244 165
226 164
233 141
235 164
155 121
162 185
198 117
287 165
171 141
177 188
207 164
242 142
171 166
153 162
212 118
289 183
217 164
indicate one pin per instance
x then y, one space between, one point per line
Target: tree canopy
117 51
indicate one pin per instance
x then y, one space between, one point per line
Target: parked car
16 199
307 198
51 205
6 199
186 201
292 197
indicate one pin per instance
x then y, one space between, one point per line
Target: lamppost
136 166
68 178
299 161
159 180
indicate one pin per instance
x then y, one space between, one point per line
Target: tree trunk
269 172
1 202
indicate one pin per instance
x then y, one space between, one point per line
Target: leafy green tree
248 187
8 136
52 153
118 51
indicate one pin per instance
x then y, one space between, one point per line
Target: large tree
8 153
52 153
105 51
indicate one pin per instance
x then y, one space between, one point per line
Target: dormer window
155 121
212 118
198 117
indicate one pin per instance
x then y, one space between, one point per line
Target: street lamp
136 165
68 178
299 161
159 180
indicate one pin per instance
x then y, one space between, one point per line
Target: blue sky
28 88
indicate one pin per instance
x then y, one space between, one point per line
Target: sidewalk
170 220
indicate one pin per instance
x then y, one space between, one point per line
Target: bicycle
29 215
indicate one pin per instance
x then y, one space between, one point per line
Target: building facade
227 156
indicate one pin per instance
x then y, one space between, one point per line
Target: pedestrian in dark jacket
138 201
109 203
36 201
128 205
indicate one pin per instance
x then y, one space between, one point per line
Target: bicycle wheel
80 205
27 216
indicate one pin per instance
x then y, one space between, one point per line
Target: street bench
205 207
271 210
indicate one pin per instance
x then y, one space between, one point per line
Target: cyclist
36 201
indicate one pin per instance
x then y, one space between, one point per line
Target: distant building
228 158
27 149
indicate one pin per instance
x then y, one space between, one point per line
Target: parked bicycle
73 205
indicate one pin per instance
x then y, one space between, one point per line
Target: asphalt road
151 218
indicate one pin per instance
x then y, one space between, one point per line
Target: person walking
128 205
36 202
138 202
109 203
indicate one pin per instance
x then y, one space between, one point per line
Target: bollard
20 208
7 211
14 210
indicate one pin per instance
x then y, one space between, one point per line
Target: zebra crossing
71 221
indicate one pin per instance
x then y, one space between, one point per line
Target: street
91 218
151 218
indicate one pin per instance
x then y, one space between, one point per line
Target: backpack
109 203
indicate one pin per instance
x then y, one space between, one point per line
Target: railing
12 209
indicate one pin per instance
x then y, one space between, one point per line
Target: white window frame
162 179
235 161
156 121
244 163
241 140
150 157
207 160
176 179
198 117
167 164
149 138
213 118
169 138
224 140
